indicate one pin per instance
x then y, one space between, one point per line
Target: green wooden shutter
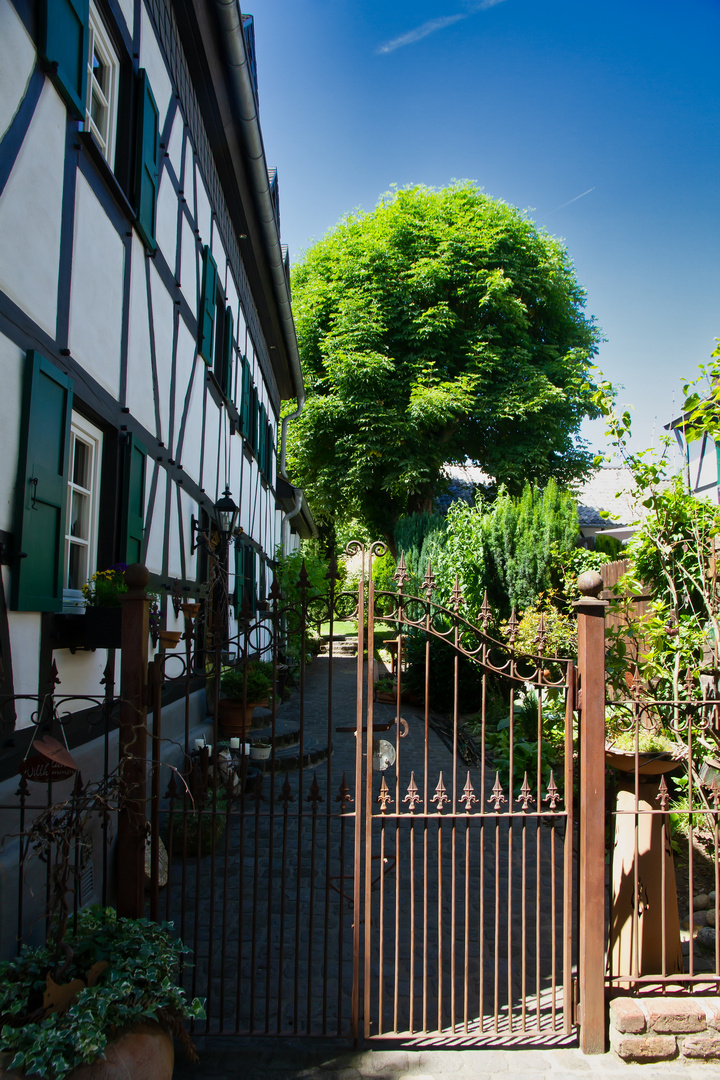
250 581
262 439
147 157
206 317
245 399
269 454
254 426
228 353
239 578
64 42
133 504
41 501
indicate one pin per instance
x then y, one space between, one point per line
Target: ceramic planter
236 718
144 1053
260 753
649 764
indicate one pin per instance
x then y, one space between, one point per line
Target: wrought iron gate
372 879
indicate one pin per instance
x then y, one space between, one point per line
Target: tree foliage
441 326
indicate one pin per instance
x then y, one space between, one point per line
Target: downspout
230 21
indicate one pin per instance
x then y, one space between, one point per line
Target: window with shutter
224 351
245 579
269 454
250 579
37 580
262 439
208 300
245 400
147 151
64 48
133 505
254 420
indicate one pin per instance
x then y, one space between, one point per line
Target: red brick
643 1047
701 1046
626 1016
711 1005
674 1016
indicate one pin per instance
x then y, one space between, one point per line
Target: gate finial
553 795
314 797
497 798
429 581
525 797
468 796
286 795
440 797
384 797
456 597
344 795
401 574
413 797
512 627
485 612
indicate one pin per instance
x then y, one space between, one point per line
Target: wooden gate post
133 744
591 707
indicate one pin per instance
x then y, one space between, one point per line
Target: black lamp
226 513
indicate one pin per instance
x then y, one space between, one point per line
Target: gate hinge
576 1004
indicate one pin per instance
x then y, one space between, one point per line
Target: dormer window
102 87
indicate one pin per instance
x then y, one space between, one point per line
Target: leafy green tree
439 327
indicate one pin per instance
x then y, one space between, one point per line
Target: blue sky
599 119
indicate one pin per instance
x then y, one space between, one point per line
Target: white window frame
82 430
99 40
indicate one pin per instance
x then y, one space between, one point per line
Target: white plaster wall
11 366
166 226
187 374
192 445
128 9
220 258
151 59
17 59
188 266
203 212
140 398
163 320
210 463
189 509
25 649
156 537
80 674
31 214
173 537
189 177
175 144
96 293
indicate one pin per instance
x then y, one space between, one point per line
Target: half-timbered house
146 333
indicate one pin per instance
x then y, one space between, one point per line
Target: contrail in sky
562 207
433 25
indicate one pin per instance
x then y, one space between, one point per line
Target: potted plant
104 994
242 690
386 689
193 830
260 751
103 615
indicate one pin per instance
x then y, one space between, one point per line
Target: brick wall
659 1028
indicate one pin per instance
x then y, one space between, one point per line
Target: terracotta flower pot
236 718
649 764
144 1053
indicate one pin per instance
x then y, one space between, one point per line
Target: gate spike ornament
344 795
663 795
468 796
384 797
715 789
441 796
401 575
497 798
456 598
413 797
171 792
553 795
286 796
429 580
485 612
525 797
689 683
512 627
314 797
